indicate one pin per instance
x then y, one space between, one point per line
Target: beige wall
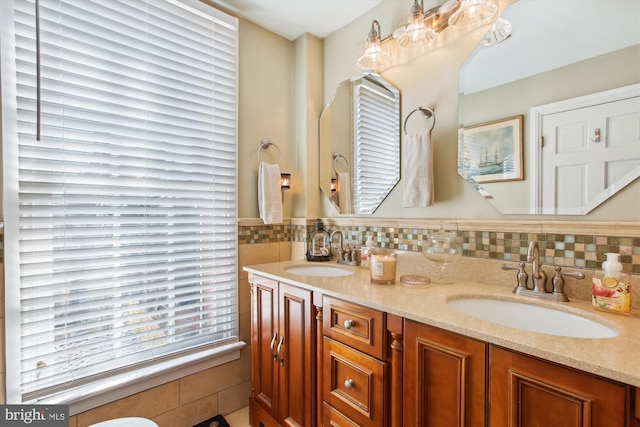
308 106
265 110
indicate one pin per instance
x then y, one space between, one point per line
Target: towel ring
427 113
336 157
264 144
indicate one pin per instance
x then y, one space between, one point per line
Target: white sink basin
532 318
319 270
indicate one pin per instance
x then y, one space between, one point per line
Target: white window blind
126 210
376 144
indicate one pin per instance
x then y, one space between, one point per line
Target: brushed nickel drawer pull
272 346
350 323
279 350
349 384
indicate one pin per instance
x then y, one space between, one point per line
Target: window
120 182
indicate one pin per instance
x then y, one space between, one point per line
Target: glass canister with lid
442 248
318 243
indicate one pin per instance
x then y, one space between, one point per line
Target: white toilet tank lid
126 422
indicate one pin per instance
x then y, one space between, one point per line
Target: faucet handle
508 267
575 275
558 279
523 277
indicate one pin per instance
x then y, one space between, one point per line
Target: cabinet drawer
354 383
356 326
333 418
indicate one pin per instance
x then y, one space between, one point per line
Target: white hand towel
344 193
269 194
417 179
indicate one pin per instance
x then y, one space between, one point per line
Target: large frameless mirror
556 52
359 156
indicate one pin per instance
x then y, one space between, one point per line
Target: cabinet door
636 422
528 392
295 356
264 331
444 379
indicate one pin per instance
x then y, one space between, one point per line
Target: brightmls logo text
34 415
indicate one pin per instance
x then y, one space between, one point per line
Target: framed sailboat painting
492 151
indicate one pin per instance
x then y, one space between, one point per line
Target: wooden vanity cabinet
320 361
444 378
283 387
451 380
356 372
528 392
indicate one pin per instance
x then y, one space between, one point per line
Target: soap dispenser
611 289
366 250
318 243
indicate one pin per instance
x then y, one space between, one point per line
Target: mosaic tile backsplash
570 250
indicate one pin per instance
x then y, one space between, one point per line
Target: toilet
126 422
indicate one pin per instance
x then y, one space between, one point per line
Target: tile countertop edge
607 357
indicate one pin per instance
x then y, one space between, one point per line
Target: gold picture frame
492 151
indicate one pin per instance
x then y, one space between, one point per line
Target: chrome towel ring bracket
336 158
426 113
264 144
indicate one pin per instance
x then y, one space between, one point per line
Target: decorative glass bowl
442 249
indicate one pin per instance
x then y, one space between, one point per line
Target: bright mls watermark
34 415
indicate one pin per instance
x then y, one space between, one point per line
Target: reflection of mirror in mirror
359 155
554 54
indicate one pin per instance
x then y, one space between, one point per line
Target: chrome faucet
348 255
538 287
538 276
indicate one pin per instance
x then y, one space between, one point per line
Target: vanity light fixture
374 57
285 183
473 13
498 32
415 32
422 27
334 192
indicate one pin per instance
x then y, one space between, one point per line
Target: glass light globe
374 57
415 33
473 13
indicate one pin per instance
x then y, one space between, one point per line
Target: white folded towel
269 193
344 193
417 179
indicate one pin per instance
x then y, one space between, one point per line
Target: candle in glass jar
382 266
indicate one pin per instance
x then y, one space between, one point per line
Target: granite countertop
615 358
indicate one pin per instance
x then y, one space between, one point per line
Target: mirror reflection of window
376 150
361 122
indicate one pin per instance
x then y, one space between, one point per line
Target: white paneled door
588 154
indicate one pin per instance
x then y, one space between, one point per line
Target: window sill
89 396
